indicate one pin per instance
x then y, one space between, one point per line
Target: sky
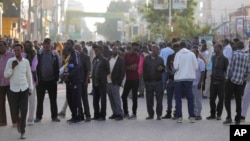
95 6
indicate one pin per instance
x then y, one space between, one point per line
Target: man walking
21 85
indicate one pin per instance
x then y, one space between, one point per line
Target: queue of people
180 67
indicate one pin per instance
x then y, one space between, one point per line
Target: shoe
70 120
55 120
175 118
141 95
112 117
218 118
158 118
132 117
242 118
237 122
101 119
62 115
211 117
30 122
37 120
192 119
167 116
149 118
119 118
88 119
227 121
22 136
179 120
126 116
198 118
73 121
94 118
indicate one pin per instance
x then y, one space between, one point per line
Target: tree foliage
182 22
109 28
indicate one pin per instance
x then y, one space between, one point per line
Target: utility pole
29 17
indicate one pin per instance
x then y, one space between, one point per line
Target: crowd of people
179 68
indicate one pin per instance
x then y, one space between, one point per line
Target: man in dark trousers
132 80
217 86
153 68
73 78
115 78
100 71
47 74
86 67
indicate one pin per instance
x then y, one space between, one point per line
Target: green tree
182 22
109 28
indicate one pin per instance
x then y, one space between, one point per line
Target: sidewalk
125 130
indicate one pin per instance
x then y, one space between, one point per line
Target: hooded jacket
185 65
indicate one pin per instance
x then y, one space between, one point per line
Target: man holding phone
21 85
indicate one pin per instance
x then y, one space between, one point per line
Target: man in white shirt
227 50
21 85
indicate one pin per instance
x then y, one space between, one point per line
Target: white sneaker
30 123
179 120
192 120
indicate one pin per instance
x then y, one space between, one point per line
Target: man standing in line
48 75
165 52
132 80
4 84
237 72
185 64
115 78
153 68
86 67
100 71
21 85
171 83
73 78
31 55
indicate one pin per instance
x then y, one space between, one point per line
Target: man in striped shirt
237 72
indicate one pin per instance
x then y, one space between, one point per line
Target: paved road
126 130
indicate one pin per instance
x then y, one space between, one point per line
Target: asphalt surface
125 130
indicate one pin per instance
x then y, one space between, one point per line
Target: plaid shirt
238 67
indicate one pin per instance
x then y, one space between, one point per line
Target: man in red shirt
132 80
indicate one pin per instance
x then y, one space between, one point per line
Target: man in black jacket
73 78
85 66
117 69
100 71
153 68
48 74
217 87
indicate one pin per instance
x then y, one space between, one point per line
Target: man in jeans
21 85
185 64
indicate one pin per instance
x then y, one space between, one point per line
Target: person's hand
30 91
160 68
14 64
